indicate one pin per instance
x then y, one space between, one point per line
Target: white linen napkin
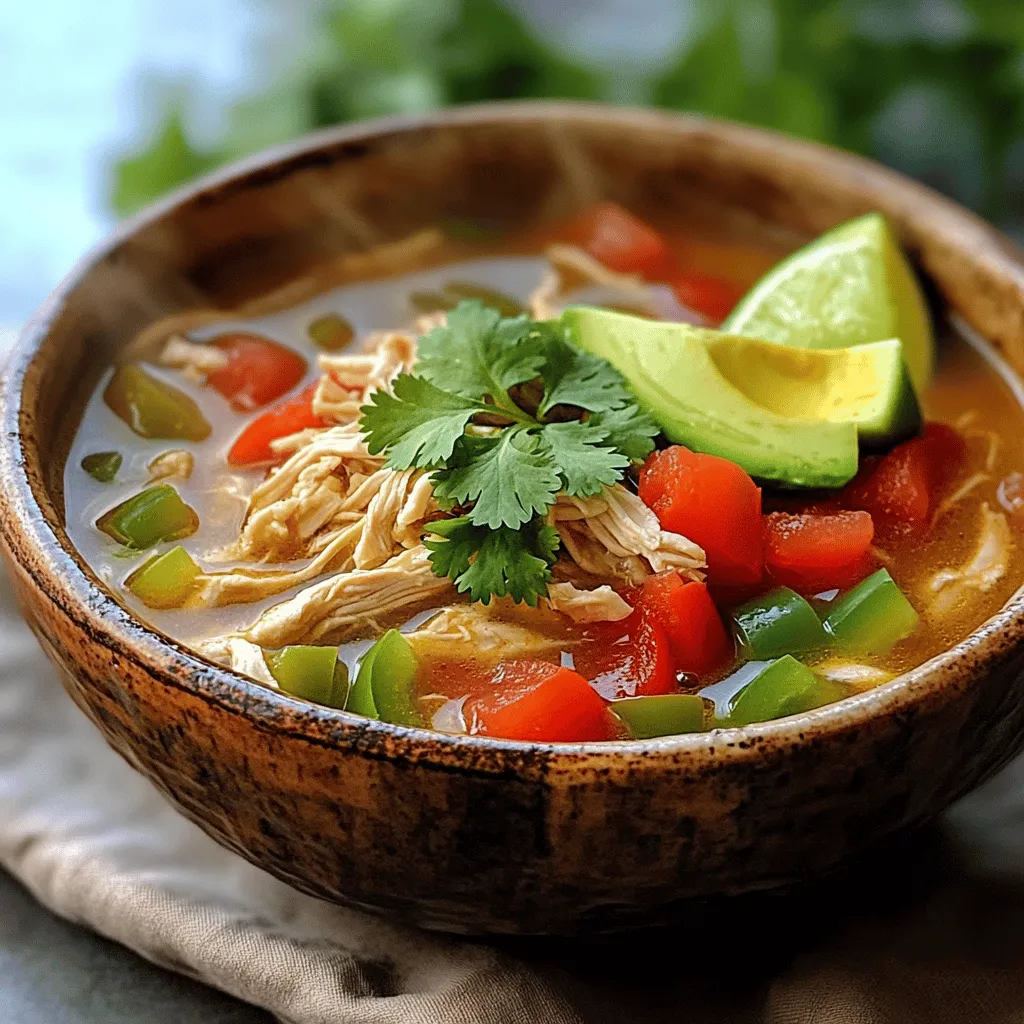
97 844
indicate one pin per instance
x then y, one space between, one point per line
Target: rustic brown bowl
477 834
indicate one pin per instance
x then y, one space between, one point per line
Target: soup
535 488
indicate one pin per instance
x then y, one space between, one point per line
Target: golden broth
967 392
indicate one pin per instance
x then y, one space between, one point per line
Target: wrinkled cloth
929 930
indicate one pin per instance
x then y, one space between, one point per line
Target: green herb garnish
507 414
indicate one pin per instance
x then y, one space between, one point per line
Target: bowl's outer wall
478 835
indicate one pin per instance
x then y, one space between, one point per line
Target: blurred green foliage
932 87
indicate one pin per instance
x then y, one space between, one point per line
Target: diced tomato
905 485
632 658
622 242
711 296
685 611
811 553
252 446
258 371
714 503
535 700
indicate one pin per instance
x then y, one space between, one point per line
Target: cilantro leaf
479 353
509 478
498 563
585 465
418 424
573 376
629 430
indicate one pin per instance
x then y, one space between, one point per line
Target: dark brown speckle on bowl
473 834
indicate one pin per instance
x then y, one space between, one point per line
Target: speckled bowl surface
477 834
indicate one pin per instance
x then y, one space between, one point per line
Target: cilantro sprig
507 414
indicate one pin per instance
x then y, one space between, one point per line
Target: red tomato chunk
252 446
258 371
714 503
632 658
905 485
811 552
536 700
685 611
626 244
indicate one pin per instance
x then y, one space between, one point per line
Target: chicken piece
482 632
426 322
378 541
335 403
390 353
176 464
243 586
599 605
860 677
248 659
614 534
195 361
950 588
331 609
573 269
281 530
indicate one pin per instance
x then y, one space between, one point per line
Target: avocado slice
868 385
674 371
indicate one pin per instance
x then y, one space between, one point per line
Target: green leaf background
932 87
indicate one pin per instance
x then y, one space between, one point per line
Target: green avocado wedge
868 385
851 286
696 384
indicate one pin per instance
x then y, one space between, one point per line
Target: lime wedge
849 287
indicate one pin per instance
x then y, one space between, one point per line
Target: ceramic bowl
477 834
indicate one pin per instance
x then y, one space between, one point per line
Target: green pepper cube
384 683
330 332
149 517
781 622
152 408
872 617
166 580
785 687
663 714
102 466
311 673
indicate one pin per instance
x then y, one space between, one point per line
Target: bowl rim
59 572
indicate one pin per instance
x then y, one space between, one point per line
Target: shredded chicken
195 361
599 605
331 609
176 464
571 270
335 403
861 677
389 353
949 588
482 631
247 658
614 535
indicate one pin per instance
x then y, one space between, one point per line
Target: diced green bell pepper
102 466
785 687
504 304
872 617
779 623
166 580
330 332
663 714
384 683
149 517
313 673
152 408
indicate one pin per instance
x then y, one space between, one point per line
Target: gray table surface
53 972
